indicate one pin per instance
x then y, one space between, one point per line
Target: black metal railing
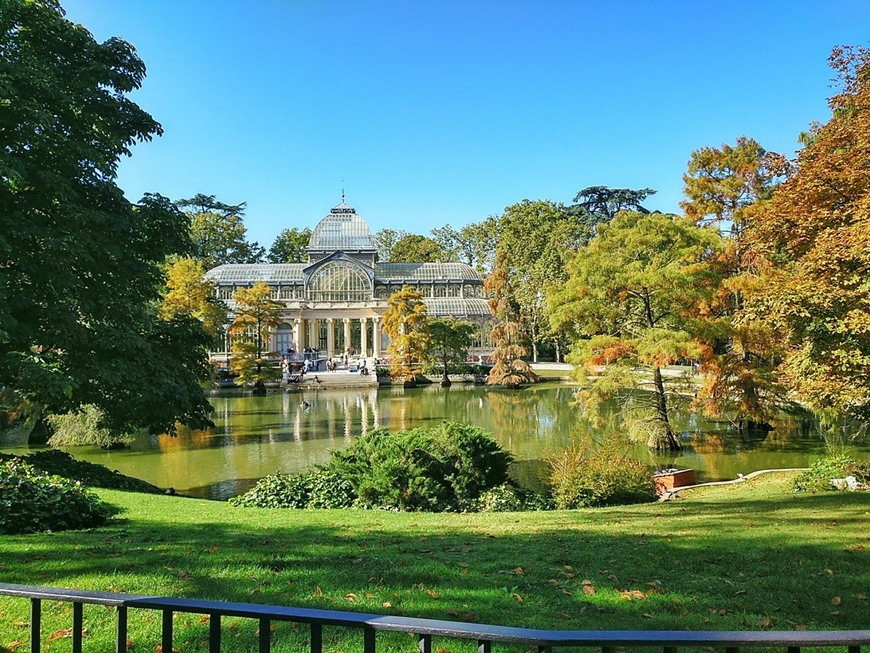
668 641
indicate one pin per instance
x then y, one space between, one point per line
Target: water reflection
257 436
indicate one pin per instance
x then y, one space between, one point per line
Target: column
297 334
362 336
330 337
376 337
312 334
346 333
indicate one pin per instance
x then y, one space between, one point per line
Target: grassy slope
746 556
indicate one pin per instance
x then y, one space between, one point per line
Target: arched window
339 281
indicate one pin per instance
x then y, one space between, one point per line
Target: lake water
257 436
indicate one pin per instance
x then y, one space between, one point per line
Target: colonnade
307 334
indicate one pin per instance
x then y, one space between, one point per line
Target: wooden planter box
667 481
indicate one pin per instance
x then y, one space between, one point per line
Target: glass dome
342 230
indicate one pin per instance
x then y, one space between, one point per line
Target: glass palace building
336 300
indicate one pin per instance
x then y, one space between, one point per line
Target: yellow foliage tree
256 314
189 293
405 323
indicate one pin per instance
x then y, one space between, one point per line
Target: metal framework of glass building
335 301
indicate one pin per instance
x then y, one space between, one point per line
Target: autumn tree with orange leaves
724 187
814 235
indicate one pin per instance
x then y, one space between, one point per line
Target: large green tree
450 339
815 237
473 244
386 240
415 248
596 204
80 266
536 238
290 246
218 231
634 291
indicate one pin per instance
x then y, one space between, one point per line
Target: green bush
32 501
589 477
319 488
510 498
818 477
445 468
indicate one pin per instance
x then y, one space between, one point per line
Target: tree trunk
662 441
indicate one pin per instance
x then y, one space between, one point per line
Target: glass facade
339 281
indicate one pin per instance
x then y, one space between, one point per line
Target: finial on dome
342 194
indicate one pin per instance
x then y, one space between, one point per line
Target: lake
257 436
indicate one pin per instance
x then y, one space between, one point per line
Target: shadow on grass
718 565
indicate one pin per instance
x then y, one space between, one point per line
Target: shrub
319 488
33 501
818 477
438 469
589 477
510 498
82 428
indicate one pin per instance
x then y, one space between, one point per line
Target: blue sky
431 113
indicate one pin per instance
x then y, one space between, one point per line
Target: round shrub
510 498
320 488
32 501
583 478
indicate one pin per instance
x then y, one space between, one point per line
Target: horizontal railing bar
453 629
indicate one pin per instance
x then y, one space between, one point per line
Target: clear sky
444 112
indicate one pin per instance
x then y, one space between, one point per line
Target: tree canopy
815 236
291 246
405 321
80 266
414 248
218 231
632 292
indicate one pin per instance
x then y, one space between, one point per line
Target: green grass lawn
740 557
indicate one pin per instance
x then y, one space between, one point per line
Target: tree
473 244
536 238
814 235
601 204
190 294
724 186
386 240
256 315
509 368
405 322
634 290
218 231
291 246
450 340
80 266
414 248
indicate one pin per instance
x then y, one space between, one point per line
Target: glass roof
342 229
270 273
457 307
426 272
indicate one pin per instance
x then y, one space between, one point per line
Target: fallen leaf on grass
204 619
433 594
519 571
129 644
387 604
585 581
517 598
14 644
836 600
765 623
58 634
350 596
589 590
318 591
631 595
452 613
647 615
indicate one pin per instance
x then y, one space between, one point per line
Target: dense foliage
80 273
33 501
585 477
820 474
444 468
82 427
